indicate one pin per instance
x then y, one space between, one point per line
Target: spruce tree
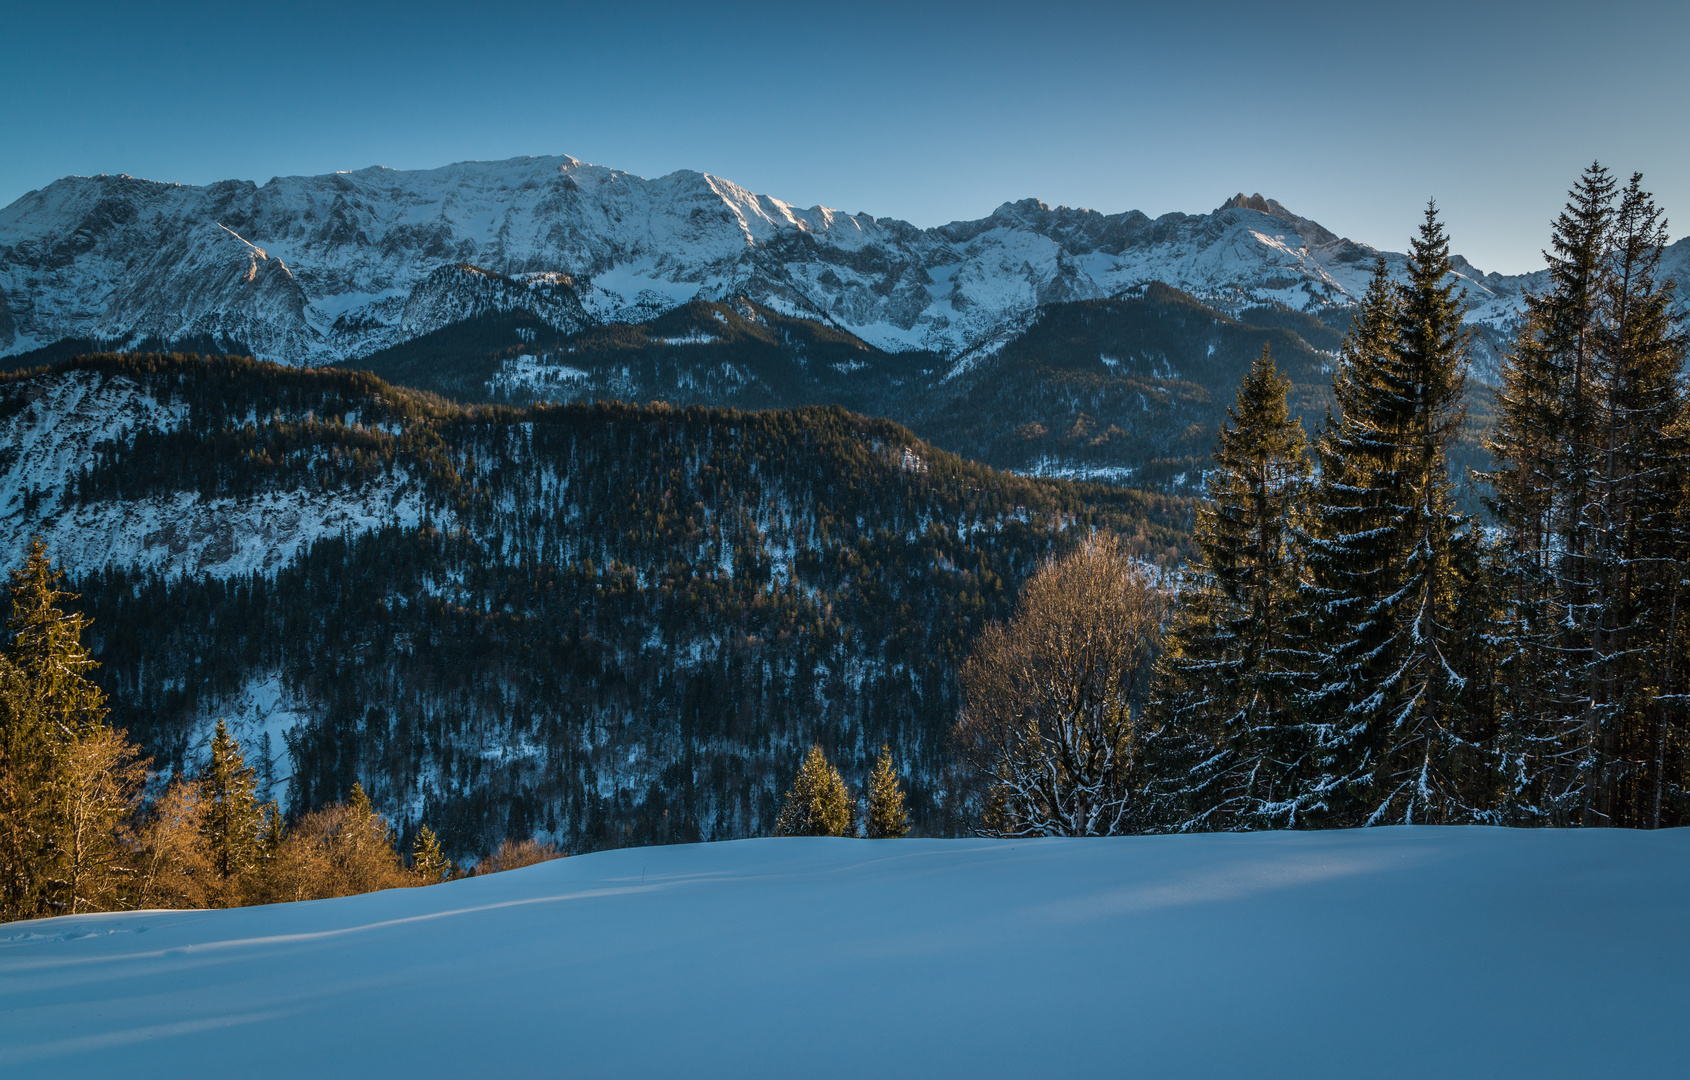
887 818
1590 450
1535 757
1542 444
358 802
271 836
1631 564
233 821
47 793
1228 677
427 859
1388 560
818 804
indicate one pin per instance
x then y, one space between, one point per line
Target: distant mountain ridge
332 268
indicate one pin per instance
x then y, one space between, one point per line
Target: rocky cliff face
328 268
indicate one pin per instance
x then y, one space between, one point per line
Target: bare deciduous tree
1048 719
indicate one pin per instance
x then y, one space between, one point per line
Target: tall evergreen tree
233 821
59 808
1590 457
1545 418
1228 677
271 836
1387 560
1632 566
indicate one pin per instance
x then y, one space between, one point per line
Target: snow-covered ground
1406 952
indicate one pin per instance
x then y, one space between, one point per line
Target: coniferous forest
1353 650
610 624
606 624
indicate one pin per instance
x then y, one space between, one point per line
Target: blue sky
1350 114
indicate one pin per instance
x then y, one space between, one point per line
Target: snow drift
1453 952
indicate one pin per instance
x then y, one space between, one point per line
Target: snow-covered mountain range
331 268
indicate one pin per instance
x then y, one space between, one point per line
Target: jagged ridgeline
602 623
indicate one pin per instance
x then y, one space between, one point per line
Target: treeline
605 624
1353 651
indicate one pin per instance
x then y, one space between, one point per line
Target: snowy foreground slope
1384 953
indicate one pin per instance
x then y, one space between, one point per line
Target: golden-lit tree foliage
1050 720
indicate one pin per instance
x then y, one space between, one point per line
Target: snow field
1452 952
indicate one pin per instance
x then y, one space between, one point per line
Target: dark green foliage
887 818
1324 331
736 353
70 348
1542 472
233 821
1237 751
1533 680
817 803
696 592
1590 495
1389 561
1139 382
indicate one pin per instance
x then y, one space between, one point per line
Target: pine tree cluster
819 803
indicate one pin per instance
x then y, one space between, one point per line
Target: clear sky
1351 114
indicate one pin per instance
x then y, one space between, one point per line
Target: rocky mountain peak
1255 202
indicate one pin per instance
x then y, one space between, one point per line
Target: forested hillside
736 354
604 623
1134 387
1131 388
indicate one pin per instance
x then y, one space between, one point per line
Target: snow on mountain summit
322 268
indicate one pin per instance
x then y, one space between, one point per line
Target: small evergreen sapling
887 818
818 804
429 862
